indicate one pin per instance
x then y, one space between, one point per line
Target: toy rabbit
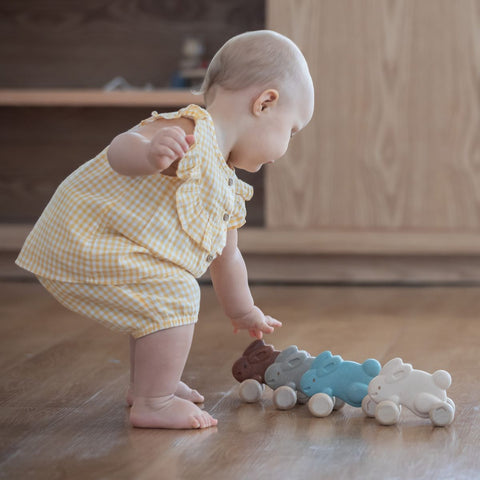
250 368
284 376
399 384
332 377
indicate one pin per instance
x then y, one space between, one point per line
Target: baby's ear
266 100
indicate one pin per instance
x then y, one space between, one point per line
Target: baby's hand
168 145
255 322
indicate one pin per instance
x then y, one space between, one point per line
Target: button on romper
126 251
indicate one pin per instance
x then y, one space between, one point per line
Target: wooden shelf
350 242
97 98
262 241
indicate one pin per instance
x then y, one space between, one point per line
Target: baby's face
269 135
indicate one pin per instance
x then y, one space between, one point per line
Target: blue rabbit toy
331 376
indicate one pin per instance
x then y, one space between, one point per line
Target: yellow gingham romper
126 251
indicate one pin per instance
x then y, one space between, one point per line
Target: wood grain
394 142
63 378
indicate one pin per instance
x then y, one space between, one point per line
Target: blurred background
382 187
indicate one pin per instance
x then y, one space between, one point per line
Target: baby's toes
196 421
209 420
201 421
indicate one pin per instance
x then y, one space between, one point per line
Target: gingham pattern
104 228
137 309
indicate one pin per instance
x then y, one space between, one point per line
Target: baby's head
260 79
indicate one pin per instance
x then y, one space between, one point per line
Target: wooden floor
63 378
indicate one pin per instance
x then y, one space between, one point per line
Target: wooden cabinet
389 167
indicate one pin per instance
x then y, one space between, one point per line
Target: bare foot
183 391
168 412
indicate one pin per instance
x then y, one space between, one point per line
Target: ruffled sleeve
193 217
243 193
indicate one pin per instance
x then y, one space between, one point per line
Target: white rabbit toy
399 384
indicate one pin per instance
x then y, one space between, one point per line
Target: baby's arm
152 147
230 280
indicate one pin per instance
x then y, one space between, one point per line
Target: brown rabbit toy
250 369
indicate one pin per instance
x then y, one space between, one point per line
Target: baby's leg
159 361
183 390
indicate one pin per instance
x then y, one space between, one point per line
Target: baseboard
364 269
269 258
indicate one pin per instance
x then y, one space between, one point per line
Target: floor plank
63 379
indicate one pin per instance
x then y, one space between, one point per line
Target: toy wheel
320 405
368 406
442 414
387 412
284 398
251 390
338 403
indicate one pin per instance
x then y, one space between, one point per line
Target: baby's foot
168 412
183 391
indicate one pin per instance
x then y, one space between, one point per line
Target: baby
125 236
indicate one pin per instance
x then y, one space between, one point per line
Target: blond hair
261 57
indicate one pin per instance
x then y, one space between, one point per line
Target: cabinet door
394 144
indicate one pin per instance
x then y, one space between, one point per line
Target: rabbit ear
326 363
392 365
322 358
261 354
284 354
331 365
254 346
402 371
294 361
299 355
